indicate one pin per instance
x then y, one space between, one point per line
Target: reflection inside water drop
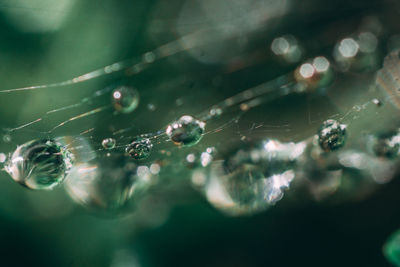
108 183
39 164
252 178
187 131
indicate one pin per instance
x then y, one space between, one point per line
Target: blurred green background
44 41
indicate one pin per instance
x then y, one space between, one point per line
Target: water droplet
387 145
252 178
332 135
39 164
108 143
106 183
140 148
186 131
125 99
7 138
377 102
149 57
215 112
151 107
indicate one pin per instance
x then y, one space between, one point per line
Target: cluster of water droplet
245 180
140 148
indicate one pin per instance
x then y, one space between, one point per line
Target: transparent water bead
140 148
39 164
108 183
187 131
332 135
252 178
125 99
109 143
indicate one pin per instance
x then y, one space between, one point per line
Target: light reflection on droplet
187 131
155 168
321 64
3 157
108 143
307 70
287 48
348 47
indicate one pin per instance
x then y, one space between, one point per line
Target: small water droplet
149 57
186 131
377 102
214 112
39 164
109 143
332 135
151 107
140 148
125 99
7 138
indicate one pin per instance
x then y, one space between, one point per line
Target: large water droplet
108 183
251 179
125 99
140 148
39 164
186 131
332 135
